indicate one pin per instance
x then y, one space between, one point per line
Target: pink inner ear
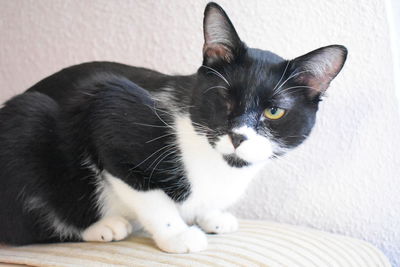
318 68
319 73
316 84
217 52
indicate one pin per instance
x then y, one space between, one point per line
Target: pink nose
237 139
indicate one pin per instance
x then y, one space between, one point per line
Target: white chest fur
214 184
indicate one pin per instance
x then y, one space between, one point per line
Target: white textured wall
345 179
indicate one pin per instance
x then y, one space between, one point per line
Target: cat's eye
274 113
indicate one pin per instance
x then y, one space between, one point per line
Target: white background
344 179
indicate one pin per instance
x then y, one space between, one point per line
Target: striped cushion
256 244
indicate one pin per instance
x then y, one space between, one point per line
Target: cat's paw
218 223
107 229
191 239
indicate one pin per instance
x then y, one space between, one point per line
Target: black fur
57 136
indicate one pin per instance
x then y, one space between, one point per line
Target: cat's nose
237 139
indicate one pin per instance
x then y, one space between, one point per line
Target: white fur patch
154 210
214 184
218 222
190 240
255 148
108 229
145 206
224 145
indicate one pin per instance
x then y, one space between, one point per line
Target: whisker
187 106
162 119
162 136
172 148
299 86
290 77
87 93
150 125
202 127
161 110
151 174
292 89
173 170
213 87
284 72
151 156
217 73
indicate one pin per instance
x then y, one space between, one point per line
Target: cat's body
98 146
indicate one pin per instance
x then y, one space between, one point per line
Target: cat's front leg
161 218
158 214
217 222
113 228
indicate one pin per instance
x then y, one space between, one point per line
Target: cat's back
62 84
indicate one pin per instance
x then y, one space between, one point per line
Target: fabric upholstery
257 243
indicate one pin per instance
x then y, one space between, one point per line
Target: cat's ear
318 68
221 42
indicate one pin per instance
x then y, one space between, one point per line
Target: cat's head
252 104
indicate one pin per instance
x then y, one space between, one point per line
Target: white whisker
150 125
214 71
162 136
292 89
213 87
151 156
283 74
199 126
162 119
151 174
172 148
290 77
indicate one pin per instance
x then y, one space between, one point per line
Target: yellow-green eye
274 113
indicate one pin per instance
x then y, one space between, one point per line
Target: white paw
191 239
218 223
108 229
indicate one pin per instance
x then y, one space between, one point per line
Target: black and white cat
96 147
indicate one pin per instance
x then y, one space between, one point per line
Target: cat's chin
235 161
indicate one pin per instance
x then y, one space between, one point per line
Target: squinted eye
274 113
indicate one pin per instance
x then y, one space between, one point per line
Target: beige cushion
258 243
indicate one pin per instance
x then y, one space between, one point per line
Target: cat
95 148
